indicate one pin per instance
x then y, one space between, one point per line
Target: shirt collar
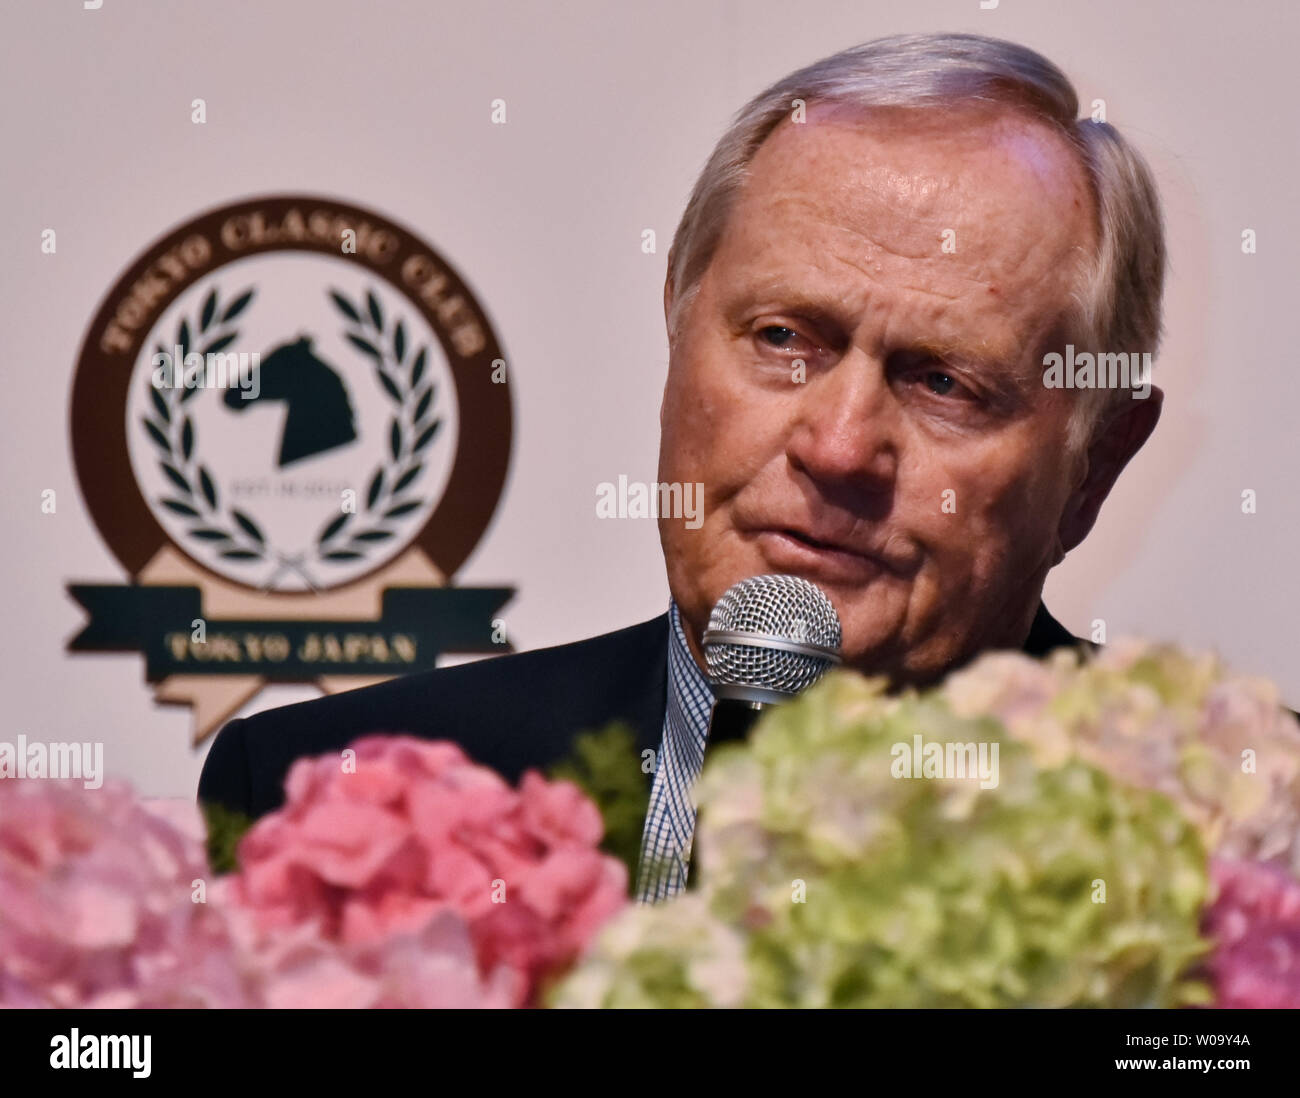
690 700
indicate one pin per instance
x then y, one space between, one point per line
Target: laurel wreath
412 428
173 433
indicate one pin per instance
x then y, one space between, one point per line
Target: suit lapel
1047 634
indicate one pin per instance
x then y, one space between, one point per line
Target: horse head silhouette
320 415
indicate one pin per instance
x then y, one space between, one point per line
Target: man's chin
920 666
870 620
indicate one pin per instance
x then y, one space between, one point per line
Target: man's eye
777 336
922 371
939 383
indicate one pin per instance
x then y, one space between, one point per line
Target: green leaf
241 554
225 828
209 309
183 337
248 526
366 346
407 477
334 527
180 508
208 534
376 486
156 433
427 437
399 343
175 477
417 369
606 766
375 313
403 509
237 307
342 554
395 439
187 438
373 535
209 489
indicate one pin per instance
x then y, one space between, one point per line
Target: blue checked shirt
670 820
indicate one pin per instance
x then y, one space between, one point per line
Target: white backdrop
612 109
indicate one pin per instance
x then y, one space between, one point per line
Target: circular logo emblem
292 392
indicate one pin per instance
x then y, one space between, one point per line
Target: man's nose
847 425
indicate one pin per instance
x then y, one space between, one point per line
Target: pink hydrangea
378 842
99 905
106 900
434 967
1255 924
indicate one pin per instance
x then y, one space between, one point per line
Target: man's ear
1121 434
668 308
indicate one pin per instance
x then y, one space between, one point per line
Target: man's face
917 264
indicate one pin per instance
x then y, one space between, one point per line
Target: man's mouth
800 553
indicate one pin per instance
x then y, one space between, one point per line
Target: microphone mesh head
772 610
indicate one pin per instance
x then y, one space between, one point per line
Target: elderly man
875 264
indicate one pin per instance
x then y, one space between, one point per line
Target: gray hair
1117 307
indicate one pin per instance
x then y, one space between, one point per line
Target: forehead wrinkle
789 217
870 267
931 291
945 267
835 216
863 189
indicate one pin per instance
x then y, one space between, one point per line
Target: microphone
769 639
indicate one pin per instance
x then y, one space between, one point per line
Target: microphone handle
732 719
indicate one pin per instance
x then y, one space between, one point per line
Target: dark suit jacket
509 712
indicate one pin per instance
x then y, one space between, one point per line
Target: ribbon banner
415 626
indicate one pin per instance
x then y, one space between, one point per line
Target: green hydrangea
826 880
1154 716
